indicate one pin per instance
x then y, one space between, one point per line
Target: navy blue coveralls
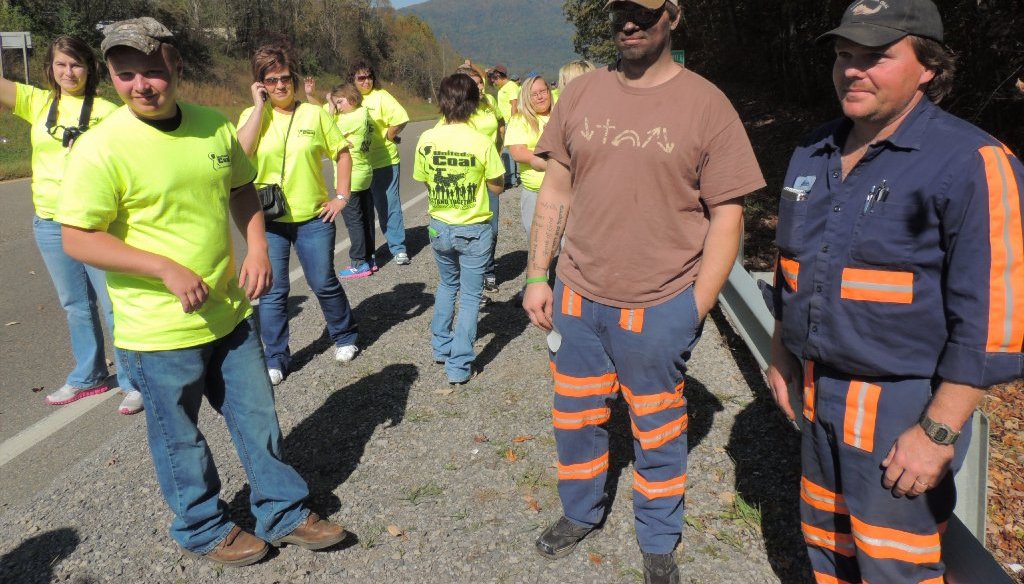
907 273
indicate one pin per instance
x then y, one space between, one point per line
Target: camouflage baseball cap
143 34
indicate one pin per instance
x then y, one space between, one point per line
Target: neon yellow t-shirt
554 95
507 93
357 129
520 132
385 111
48 153
483 120
455 161
165 193
493 102
314 136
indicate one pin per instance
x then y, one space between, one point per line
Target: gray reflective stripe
588 385
657 490
878 287
790 275
582 419
858 423
829 542
596 468
1007 281
673 427
660 404
896 544
826 500
630 321
572 296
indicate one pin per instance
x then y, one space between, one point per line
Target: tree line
771 46
328 35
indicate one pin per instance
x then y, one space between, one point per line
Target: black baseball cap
875 23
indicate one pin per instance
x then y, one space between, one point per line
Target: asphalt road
35 351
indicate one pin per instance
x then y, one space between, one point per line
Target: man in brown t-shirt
647 167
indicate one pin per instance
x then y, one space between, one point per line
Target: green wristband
537 280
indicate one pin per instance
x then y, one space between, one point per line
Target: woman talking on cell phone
287 139
59 115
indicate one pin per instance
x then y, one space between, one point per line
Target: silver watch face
940 434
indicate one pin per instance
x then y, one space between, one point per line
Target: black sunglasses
643 18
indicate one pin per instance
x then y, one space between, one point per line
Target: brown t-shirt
645 164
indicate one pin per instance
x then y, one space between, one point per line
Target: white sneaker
402 259
276 376
68 394
345 353
131 404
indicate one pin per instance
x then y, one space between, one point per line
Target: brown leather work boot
239 548
314 534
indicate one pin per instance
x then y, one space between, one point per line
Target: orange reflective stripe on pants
577 420
658 436
585 386
790 271
821 578
809 390
583 470
821 498
655 490
840 543
632 319
643 405
861 413
572 303
884 543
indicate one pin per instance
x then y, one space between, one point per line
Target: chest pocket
789 233
885 235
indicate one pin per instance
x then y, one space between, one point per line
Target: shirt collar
909 136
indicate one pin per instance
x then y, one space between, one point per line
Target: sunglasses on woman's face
364 77
643 18
274 81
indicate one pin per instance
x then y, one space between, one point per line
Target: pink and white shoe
68 394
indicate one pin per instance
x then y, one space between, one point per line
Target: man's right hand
190 289
538 301
783 372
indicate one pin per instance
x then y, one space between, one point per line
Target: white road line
49 425
56 421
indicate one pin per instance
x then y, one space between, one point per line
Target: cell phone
264 95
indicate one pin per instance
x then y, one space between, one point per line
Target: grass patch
745 514
15 148
372 537
423 493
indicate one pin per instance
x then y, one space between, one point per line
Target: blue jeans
511 169
461 253
384 186
232 375
494 204
82 291
314 245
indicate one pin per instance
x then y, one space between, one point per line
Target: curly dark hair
275 56
458 97
938 59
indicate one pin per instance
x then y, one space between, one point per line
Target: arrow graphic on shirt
586 131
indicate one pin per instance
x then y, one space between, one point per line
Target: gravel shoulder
437 485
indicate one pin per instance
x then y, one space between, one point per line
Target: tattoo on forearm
546 234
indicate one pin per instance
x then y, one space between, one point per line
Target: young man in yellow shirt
182 316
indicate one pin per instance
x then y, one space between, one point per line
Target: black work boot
660 569
561 538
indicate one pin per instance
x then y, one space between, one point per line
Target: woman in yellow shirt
288 140
353 120
523 133
58 115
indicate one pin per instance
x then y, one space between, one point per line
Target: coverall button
835 174
814 328
824 248
837 208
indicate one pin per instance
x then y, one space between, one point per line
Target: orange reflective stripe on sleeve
809 390
584 470
655 490
936 580
861 412
790 271
821 498
572 303
822 578
840 543
643 405
1006 270
877 286
662 434
577 420
632 319
584 386
884 543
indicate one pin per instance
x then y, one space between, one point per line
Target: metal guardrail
963 549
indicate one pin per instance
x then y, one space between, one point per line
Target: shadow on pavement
766 450
32 562
326 447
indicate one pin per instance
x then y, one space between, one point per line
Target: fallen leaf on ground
37 389
510 455
522 438
532 503
395 531
13 322
444 391
595 559
480 439
40 307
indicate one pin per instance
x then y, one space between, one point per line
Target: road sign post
14 41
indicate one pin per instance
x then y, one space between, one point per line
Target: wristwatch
937 431
342 197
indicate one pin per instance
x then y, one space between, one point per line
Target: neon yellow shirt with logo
385 111
484 120
166 193
455 161
48 152
507 93
520 132
357 129
314 136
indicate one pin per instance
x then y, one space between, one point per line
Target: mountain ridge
524 35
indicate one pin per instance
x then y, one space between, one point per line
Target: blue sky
404 3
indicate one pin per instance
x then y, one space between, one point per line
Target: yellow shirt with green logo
455 161
48 152
314 136
385 111
520 132
357 129
484 120
166 193
507 93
